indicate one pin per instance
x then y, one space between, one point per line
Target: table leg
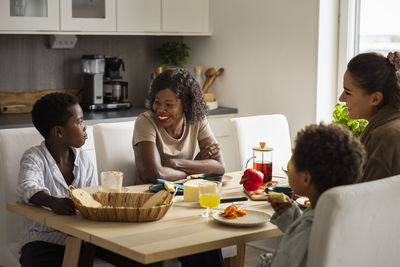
238 260
72 252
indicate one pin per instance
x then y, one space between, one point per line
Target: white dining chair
357 225
114 152
272 129
13 143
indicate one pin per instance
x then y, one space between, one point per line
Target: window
367 25
379 26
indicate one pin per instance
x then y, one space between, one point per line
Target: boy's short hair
330 153
52 110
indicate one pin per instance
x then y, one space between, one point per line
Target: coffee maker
103 89
93 72
115 89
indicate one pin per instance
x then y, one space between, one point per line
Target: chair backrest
357 225
272 129
13 143
113 142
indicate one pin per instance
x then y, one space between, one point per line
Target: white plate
301 201
252 218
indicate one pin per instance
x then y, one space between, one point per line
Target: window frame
349 32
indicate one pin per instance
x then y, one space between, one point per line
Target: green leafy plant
341 116
173 54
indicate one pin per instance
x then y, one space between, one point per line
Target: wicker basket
124 207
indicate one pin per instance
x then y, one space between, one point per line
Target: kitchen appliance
103 89
262 160
115 89
93 72
113 65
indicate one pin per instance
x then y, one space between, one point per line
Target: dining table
182 231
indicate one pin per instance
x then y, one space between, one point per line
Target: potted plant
173 54
341 116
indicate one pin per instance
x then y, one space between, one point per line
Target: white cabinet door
185 16
139 15
29 15
88 15
223 132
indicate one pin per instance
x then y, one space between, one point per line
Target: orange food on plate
233 211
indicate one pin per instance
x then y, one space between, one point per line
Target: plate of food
303 202
237 216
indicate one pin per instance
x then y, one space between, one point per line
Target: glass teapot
262 160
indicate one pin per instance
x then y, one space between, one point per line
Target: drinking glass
111 181
209 196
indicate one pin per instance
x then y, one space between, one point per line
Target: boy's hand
63 206
280 207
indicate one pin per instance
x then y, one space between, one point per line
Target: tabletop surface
182 231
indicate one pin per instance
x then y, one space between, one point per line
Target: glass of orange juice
209 196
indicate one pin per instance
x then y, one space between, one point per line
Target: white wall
327 60
269 51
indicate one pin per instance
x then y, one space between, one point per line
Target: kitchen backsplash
28 63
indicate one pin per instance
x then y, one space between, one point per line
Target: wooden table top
182 231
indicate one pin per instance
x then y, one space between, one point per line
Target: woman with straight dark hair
372 92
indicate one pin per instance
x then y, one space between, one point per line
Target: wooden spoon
212 79
210 72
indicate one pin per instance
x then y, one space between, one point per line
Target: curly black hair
186 88
331 154
52 110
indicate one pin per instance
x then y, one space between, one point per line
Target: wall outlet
62 41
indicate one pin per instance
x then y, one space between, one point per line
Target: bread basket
123 207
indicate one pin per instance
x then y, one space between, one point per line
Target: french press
262 160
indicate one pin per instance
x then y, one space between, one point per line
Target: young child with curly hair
324 156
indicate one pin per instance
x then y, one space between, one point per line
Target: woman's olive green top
382 141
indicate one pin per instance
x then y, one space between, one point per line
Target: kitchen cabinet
84 15
135 17
222 128
163 16
32 15
185 16
139 15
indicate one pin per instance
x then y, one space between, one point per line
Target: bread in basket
128 207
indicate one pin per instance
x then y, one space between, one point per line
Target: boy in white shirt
46 172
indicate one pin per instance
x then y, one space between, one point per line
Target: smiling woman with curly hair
165 136
186 88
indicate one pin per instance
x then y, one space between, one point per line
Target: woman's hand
209 151
167 162
280 207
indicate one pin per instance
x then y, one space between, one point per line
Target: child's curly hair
330 153
186 88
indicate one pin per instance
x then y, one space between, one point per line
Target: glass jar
262 160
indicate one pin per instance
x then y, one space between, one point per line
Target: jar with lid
262 160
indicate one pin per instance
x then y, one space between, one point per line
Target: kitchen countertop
24 119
